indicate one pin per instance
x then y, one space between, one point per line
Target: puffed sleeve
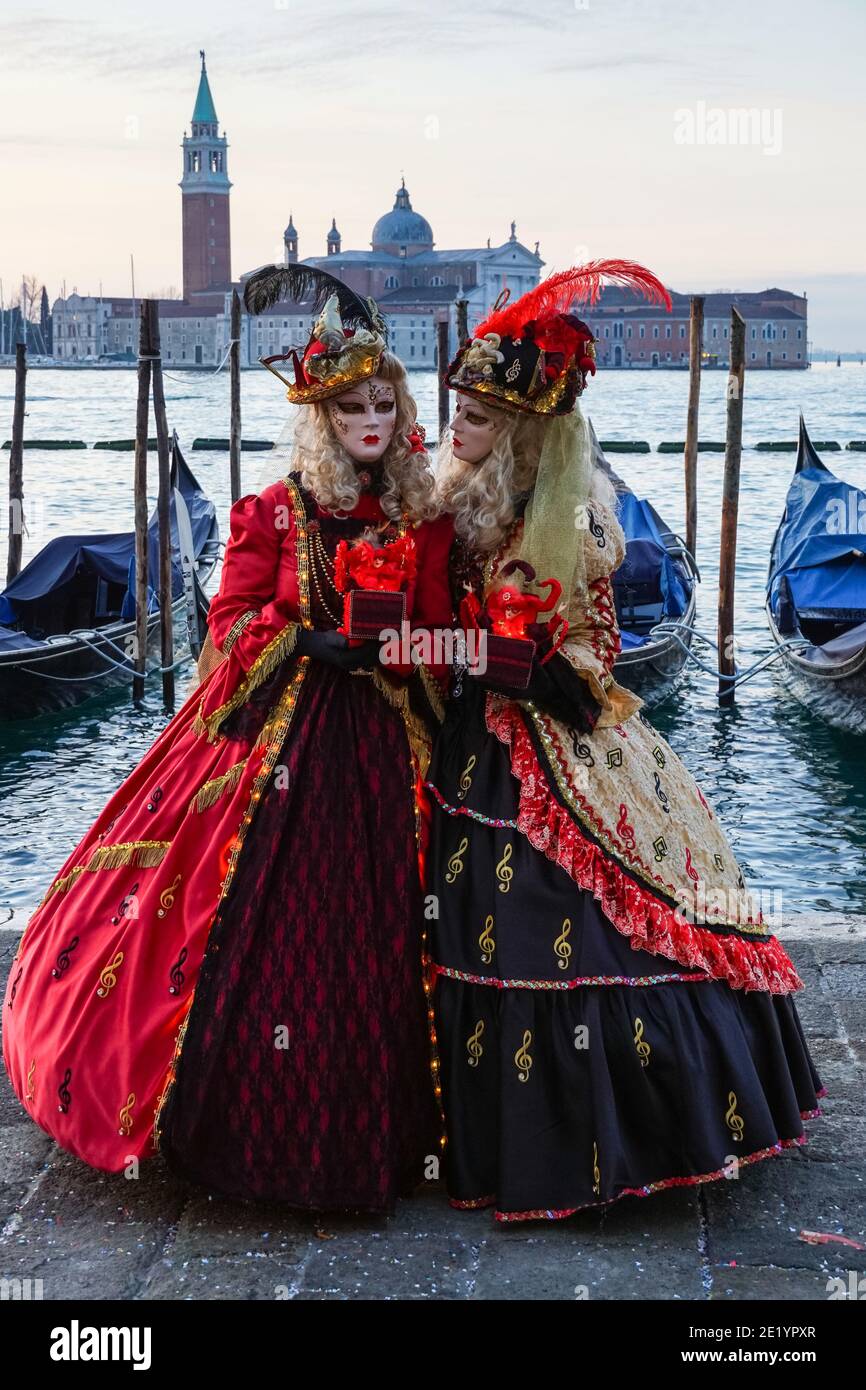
252 627
594 643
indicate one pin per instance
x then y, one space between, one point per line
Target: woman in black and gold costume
613 1015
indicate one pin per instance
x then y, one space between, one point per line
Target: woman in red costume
613 1016
228 968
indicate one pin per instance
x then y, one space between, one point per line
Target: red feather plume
581 284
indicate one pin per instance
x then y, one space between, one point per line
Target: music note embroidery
522 1059
125 1116
108 976
561 947
176 974
166 898
14 989
735 1122
64 1092
596 1172
128 906
455 863
466 777
156 798
503 872
473 1044
63 959
486 942
643 1048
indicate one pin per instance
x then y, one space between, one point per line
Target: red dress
228 967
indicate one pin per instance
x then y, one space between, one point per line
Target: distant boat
67 621
816 590
654 593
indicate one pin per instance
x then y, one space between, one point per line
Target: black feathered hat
347 340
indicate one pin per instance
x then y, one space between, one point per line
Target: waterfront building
416 284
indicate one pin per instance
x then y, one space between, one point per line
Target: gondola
816 590
67 621
654 593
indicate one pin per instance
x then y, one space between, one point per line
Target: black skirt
574 1069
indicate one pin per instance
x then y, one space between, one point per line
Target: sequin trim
558 1214
465 811
582 980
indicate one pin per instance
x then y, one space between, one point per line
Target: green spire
205 111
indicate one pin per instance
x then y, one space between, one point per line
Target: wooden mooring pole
462 306
140 490
16 468
730 504
235 374
442 359
696 343
163 507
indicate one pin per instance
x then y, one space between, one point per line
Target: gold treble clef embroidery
735 1122
643 1048
455 863
522 1059
596 1172
125 1116
108 976
473 1044
31 1087
561 947
466 778
166 897
503 872
486 942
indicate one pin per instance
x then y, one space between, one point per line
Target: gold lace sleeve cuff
237 628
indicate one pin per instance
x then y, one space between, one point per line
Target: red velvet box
369 611
509 661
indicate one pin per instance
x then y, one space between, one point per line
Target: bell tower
205 199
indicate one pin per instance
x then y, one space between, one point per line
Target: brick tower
205 200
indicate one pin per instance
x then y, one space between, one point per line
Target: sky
602 127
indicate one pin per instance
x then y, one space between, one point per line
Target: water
791 790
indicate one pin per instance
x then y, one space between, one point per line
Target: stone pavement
91 1235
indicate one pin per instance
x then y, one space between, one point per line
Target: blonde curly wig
481 496
331 473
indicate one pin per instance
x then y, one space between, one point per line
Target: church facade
416 285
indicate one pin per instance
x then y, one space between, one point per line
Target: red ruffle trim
650 924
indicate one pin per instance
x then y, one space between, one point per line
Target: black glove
333 648
557 690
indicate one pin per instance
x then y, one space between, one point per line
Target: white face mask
364 418
474 429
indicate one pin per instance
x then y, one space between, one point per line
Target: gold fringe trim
264 665
60 885
397 696
145 854
433 693
211 792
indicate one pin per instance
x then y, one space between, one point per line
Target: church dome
402 226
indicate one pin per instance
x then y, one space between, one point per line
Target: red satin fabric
90 1066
